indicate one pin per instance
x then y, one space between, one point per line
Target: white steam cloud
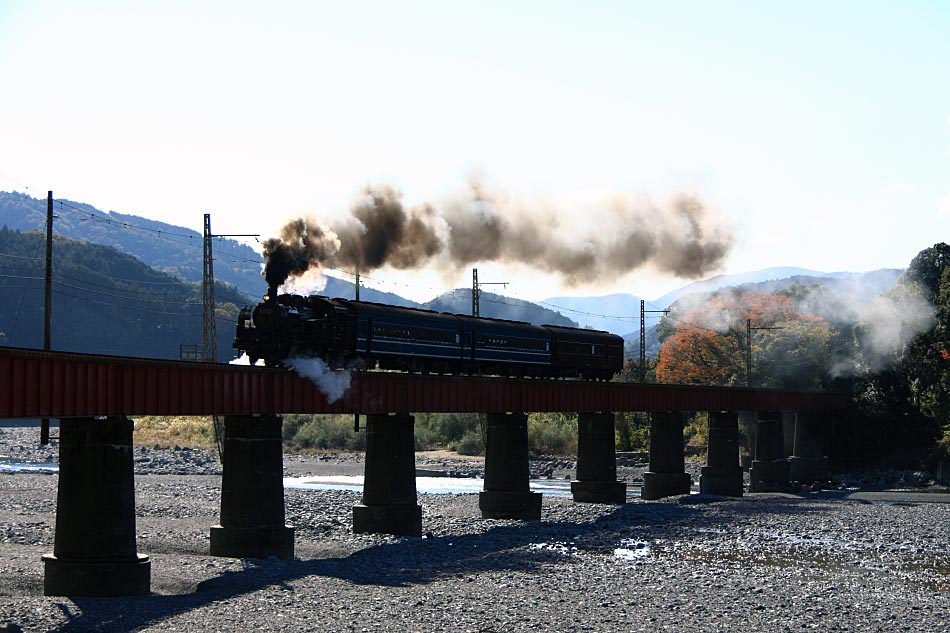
311 282
891 322
884 317
333 384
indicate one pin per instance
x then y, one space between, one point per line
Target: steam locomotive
360 334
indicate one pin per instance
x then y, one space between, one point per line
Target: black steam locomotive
360 334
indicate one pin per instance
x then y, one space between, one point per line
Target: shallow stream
437 485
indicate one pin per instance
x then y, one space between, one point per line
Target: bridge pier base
597 461
94 547
722 474
507 494
809 464
770 469
389 484
252 491
667 476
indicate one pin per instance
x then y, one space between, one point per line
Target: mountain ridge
178 251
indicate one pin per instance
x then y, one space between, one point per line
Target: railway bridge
95 398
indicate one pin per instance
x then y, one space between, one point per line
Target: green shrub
696 432
552 433
323 433
632 431
436 431
470 444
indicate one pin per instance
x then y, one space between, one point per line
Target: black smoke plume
682 238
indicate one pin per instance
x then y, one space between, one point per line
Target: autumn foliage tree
705 342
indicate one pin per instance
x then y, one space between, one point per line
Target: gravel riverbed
837 560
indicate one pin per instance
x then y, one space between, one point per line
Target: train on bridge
361 334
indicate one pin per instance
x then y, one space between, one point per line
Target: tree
705 344
927 269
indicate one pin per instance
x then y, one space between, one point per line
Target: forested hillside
171 249
104 301
888 348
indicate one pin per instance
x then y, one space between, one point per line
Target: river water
7 466
438 485
426 485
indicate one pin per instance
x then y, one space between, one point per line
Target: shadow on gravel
408 561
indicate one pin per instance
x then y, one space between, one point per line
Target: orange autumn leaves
708 343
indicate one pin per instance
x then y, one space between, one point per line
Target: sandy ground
838 560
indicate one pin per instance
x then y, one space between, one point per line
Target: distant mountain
724 281
339 288
104 301
617 313
620 313
857 287
494 306
171 249
631 343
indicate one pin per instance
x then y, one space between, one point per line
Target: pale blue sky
821 130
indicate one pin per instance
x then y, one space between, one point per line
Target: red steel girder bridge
35 384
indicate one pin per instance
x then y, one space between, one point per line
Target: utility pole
748 352
477 289
48 299
357 292
209 330
643 338
49 272
474 292
748 348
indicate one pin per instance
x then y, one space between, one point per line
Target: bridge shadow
524 547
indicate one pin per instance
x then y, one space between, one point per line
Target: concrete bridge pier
722 474
252 491
809 462
667 476
94 546
389 484
507 494
769 469
597 461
